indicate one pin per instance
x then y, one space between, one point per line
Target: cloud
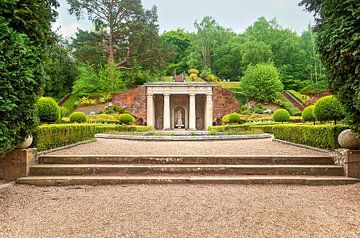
66 30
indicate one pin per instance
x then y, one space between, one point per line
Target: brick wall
133 100
224 103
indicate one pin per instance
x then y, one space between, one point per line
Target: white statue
179 119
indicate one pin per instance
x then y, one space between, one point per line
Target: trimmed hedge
329 108
300 97
126 119
321 136
308 114
232 118
53 136
266 128
103 118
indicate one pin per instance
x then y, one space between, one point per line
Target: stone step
118 180
189 159
120 169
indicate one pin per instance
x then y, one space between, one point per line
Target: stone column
208 111
150 110
192 113
167 112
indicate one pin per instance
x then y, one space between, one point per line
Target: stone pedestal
352 164
17 163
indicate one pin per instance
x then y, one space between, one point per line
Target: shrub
261 83
85 101
64 111
53 136
308 114
77 117
238 129
211 78
48 110
126 119
281 115
233 118
321 136
329 108
193 71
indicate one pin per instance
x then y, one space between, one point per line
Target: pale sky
234 14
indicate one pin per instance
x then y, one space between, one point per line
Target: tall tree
338 27
25 33
131 32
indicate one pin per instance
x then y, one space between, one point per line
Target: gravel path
236 147
180 211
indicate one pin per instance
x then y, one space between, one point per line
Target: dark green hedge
321 136
266 128
53 136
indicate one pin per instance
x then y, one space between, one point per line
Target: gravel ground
236 147
180 211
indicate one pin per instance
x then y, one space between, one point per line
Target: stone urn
27 142
348 140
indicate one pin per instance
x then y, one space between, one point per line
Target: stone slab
119 180
18 162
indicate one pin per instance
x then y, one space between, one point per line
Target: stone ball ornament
26 144
349 139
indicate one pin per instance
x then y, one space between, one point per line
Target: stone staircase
55 170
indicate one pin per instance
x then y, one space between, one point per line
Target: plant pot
26 144
348 139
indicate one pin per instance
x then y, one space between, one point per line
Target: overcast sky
234 14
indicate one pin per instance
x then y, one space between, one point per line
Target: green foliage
126 119
25 32
329 108
113 109
261 83
70 104
281 115
103 118
286 104
53 136
193 71
255 52
321 136
64 112
106 81
85 101
78 117
48 110
233 118
338 42
308 114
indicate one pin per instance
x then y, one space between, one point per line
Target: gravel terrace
235 147
180 211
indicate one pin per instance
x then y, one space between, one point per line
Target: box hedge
321 136
265 127
53 136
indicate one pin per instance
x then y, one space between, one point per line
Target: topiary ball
48 109
281 115
308 114
233 118
329 108
78 117
126 119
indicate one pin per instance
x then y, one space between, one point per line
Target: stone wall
224 103
134 101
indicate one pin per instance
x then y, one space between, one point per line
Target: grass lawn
228 85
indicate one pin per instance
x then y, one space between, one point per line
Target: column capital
150 94
166 94
192 94
209 95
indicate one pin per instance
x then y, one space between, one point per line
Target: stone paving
180 211
235 147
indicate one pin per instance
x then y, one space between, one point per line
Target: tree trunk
111 46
